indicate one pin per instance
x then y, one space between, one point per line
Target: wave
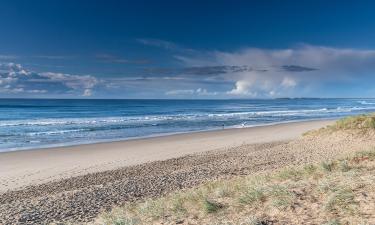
281 112
366 103
154 120
89 121
294 112
54 132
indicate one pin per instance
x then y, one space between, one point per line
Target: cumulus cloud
249 72
75 82
87 92
271 72
242 87
16 79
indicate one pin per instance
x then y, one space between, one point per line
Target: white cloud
72 81
180 92
87 92
249 72
37 91
242 87
204 92
15 79
7 57
288 82
186 92
273 72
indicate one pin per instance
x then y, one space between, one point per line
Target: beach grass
356 122
360 123
326 193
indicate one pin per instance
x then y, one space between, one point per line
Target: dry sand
183 162
22 168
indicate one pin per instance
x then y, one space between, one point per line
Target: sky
186 49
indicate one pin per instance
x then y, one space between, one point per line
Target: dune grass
325 193
356 122
360 123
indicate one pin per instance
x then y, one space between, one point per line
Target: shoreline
32 167
106 141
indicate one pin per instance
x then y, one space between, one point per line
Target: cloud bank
304 70
14 79
269 73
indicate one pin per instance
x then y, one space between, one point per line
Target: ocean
40 123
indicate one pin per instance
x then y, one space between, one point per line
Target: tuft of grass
223 190
120 220
252 220
310 169
356 122
281 196
152 208
178 205
327 166
341 199
290 174
254 195
326 185
344 166
370 154
332 222
125 221
211 206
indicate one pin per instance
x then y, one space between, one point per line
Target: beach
76 184
28 167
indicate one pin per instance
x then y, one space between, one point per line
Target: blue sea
36 123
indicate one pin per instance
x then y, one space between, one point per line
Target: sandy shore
163 165
30 167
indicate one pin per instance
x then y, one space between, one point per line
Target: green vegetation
211 206
328 191
281 196
331 193
341 199
332 222
253 195
360 123
356 122
327 166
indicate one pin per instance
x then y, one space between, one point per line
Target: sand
182 161
30 167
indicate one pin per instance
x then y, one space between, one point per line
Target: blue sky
190 49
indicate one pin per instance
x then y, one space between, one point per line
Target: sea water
39 123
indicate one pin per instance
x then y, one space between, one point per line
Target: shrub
342 199
327 166
211 206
